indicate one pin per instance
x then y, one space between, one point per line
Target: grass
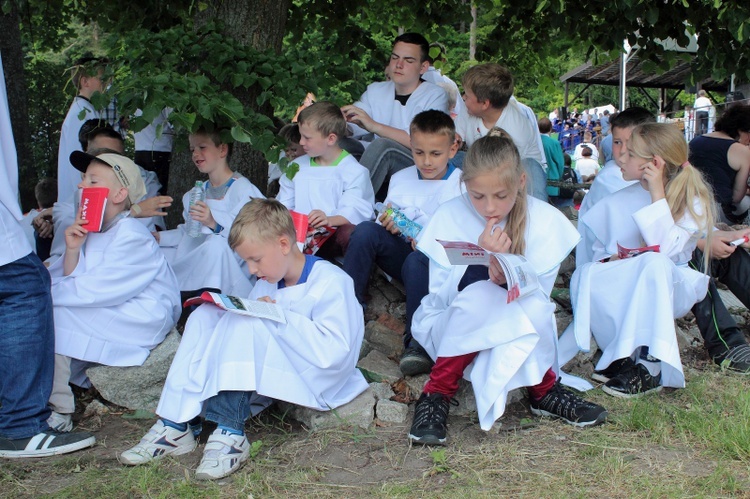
693 442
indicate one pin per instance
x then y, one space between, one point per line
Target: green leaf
291 171
240 135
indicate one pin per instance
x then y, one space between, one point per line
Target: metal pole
623 72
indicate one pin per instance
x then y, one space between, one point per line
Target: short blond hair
262 219
325 117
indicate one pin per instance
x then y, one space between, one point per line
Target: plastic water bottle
409 228
196 194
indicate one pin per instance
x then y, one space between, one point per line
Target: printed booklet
93 202
251 308
623 252
519 274
309 239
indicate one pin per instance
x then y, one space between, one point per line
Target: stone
382 391
467 402
377 367
416 384
687 338
384 339
563 319
137 387
359 413
389 411
377 304
95 408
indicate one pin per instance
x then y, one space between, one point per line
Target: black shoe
415 361
633 382
430 419
46 443
613 370
735 359
561 403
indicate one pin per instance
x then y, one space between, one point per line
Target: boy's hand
75 235
317 219
358 116
496 272
388 223
201 212
156 235
154 207
493 238
266 299
413 244
43 225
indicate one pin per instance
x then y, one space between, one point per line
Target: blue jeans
536 179
27 347
231 409
416 278
370 243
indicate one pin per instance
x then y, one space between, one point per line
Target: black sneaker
735 359
633 382
415 361
430 419
613 370
47 443
561 403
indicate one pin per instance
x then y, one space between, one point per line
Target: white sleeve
657 226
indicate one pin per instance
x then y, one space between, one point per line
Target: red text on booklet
93 202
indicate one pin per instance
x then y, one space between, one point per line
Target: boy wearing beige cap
114 296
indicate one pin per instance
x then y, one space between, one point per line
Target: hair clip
686 163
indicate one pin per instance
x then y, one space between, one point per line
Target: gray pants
384 157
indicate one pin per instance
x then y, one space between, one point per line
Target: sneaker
415 361
613 370
161 440
561 403
633 382
61 423
224 454
430 419
735 359
46 443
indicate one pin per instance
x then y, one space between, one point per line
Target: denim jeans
231 409
370 243
27 347
416 278
384 157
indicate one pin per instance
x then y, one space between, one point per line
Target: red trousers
448 370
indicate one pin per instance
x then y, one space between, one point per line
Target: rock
382 391
392 292
377 305
95 408
389 411
377 367
398 310
359 412
563 319
137 387
416 384
467 402
562 296
387 341
686 338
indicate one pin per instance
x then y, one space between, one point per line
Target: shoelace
433 410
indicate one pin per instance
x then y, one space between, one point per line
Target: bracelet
218 228
136 210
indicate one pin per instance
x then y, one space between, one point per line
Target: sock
172 424
649 362
225 430
196 426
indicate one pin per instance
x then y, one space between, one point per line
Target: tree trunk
473 33
15 82
260 24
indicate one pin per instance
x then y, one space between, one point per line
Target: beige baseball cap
125 170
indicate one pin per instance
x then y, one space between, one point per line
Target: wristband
218 228
136 210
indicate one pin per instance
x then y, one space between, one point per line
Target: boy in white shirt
231 366
327 184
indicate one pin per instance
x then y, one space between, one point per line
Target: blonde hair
262 219
683 182
496 153
325 117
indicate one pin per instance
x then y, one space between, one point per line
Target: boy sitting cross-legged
231 366
417 192
328 184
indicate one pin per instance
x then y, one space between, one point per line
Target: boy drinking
232 366
327 183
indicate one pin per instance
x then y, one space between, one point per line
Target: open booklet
520 275
251 308
623 252
309 239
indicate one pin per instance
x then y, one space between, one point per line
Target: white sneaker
160 441
224 454
60 422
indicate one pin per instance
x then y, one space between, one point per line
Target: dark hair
290 133
734 120
87 65
215 135
325 117
433 122
632 116
545 125
567 160
415 39
586 151
92 129
45 192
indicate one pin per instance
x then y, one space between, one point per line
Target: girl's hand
202 213
75 235
496 272
266 299
317 219
653 175
493 238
